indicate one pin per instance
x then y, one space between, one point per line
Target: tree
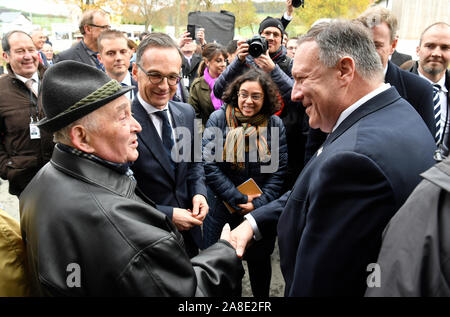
318 9
244 11
85 5
143 11
208 4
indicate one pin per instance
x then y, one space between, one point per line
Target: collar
35 77
278 54
91 52
121 168
344 114
386 69
92 172
127 79
148 107
441 81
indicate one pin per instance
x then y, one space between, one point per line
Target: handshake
239 237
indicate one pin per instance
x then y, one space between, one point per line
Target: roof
10 17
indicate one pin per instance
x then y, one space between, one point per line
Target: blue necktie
130 93
437 111
167 136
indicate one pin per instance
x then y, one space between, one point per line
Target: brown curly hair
272 102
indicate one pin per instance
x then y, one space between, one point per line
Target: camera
298 3
257 46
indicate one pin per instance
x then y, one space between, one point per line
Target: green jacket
200 100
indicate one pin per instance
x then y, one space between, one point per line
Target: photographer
278 65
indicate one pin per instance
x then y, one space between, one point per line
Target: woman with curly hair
242 140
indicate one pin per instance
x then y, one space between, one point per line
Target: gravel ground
10 204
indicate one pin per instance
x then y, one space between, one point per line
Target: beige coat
13 271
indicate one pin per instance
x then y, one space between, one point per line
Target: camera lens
255 49
296 3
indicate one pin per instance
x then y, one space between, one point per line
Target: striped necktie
437 111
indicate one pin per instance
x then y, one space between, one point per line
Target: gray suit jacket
76 53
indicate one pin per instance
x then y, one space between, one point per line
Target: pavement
10 204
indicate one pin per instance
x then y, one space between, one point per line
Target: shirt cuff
256 233
287 17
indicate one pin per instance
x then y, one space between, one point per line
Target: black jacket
190 70
79 214
399 58
417 91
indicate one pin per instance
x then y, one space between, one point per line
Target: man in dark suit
115 56
434 59
191 62
92 23
330 224
399 58
417 91
166 171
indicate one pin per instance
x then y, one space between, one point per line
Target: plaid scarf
242 127
121 168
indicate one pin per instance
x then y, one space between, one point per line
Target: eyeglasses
156 78
104 27
255 97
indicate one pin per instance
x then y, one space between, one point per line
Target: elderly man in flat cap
86 231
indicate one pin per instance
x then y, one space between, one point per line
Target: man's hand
265 62
226 233
289 7
247 207
201 36
184 220
184 39
242 50
241 236
200 207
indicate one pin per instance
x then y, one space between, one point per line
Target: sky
44 6
36 6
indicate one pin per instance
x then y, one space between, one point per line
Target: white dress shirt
127 81
157 121
35 78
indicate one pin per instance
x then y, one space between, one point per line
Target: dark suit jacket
331 222
191 71
44 59
399 58
417 91
414 69
155 178
76 53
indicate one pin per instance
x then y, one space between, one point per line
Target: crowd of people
130 162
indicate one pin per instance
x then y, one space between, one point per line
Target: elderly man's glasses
156 78
104 27
255 97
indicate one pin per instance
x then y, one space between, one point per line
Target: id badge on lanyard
35 133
